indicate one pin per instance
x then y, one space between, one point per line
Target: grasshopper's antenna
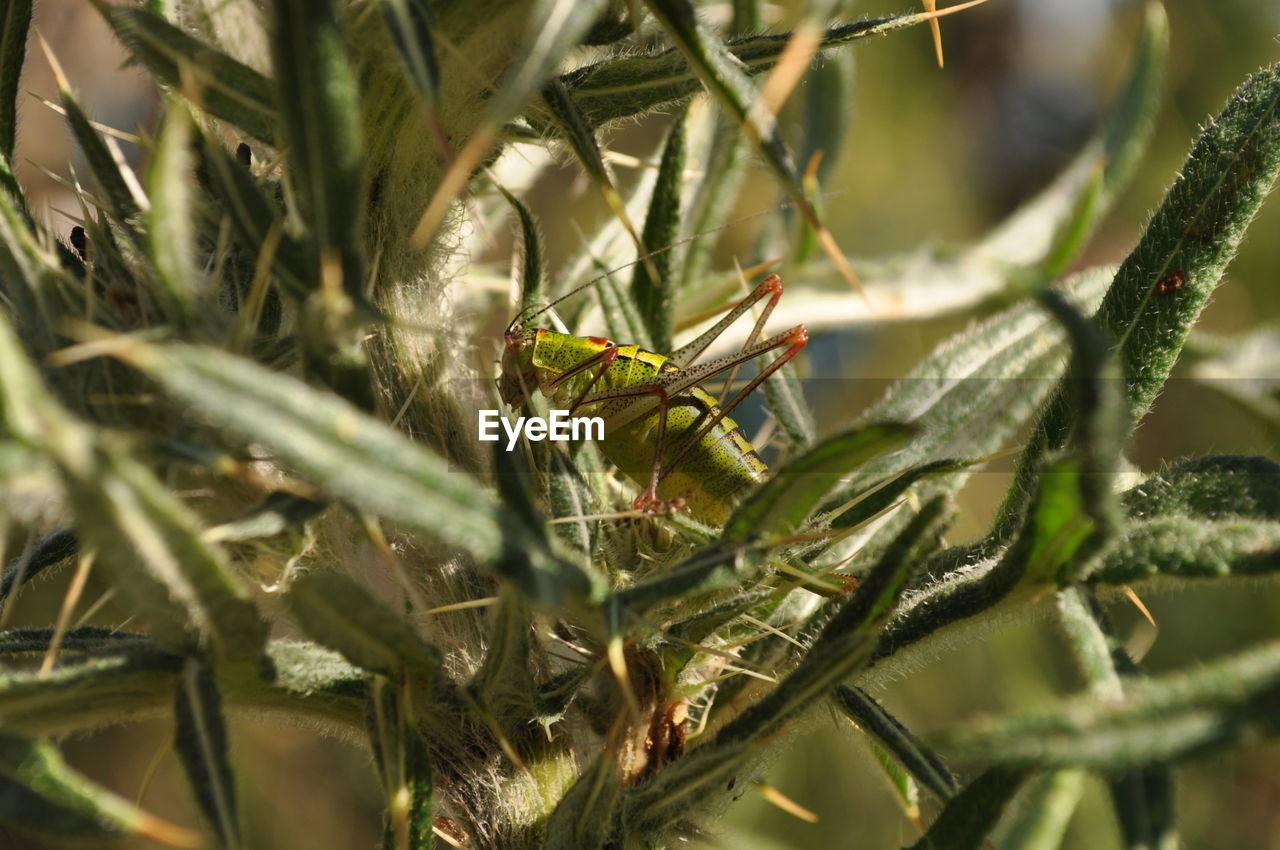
516 322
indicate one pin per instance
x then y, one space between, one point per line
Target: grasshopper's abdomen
712 475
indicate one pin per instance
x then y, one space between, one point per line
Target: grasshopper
661 428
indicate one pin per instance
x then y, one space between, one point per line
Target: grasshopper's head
519 375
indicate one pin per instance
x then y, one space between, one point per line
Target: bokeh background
933 157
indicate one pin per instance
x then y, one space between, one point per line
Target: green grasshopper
661 429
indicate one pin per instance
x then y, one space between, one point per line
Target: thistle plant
245 392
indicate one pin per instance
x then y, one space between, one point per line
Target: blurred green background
933 157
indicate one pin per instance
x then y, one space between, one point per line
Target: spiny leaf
1225 703
15 24
200 740
405 767
1041 812
655 297
844 646
170 229
1091 184
532 270
341 613
966 820
411 23
586 817
630 85
141 532
554 27
360 459
1187 547
782 503
54 548
229 89
1214 487
120 190
1164 283
320 123
925 766
40 794
254 217
504 684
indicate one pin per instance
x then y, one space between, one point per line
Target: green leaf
107 678
411 23
1144 805
1164 283
966 820
320 126
55 548
40 794
358 458
121 194
170 229
843 648
1215 487
258 222
1042 812
15 24
924 765
724 77
200 740
404 764
148 539
227 88
553 28
1185 547
1091 184
1223 704
634 84
504 684
655 298
781 504
586 817
339 612
533 252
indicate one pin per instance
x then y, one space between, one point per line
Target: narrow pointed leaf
40 794
1223 704
504 684
148 539
971 815
1162 286
843 647
783 503
1214 487
119 186
360 459
15 25
924 765
532 267
586 817
170 228
320 125
629 85
1042 812
554 27
404 765
1190 548
200 740
227 88
655 298
411 23
341 613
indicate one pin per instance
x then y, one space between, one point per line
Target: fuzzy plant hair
243 393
